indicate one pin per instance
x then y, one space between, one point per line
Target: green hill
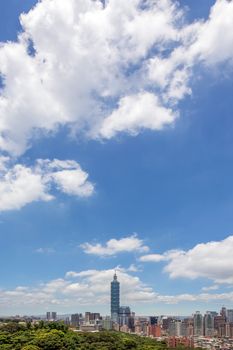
56 336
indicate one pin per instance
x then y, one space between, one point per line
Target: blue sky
157 187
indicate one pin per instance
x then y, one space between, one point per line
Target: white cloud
119 69
67 176
92 287
115 246
133 268
207 289
137 112
152 258
170 254
45 250
71 274
83 288
21 185
212 260
214 42
65 85
203 297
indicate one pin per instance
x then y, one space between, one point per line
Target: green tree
52 340
12 327
130 344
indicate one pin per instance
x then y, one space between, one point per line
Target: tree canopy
57 336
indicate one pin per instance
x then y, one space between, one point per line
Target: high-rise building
219 321
198 324
223 329
177 328
230 316
131 322
153 320
223 312
189 326
87 317
54 315
51 316
75 320
209 324
115 299
124 315
166 322
107 323
91 317
154 330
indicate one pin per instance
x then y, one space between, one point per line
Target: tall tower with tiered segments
115 299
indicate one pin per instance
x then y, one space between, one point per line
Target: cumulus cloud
92 287
116 246
211 260
98 282
77 289
122 68
215 37
20 184
68 176
135 113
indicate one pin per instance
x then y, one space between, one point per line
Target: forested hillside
57 336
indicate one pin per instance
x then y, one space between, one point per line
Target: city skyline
120 313
116 153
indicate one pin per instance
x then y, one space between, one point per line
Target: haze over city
116 154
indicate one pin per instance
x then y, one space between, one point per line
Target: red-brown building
154 331
173 342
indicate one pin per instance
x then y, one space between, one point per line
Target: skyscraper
230 316
54 316
198 324
75 320
223 312
209 324
115 299
124 315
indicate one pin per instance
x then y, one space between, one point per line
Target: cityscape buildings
51 316
211 330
